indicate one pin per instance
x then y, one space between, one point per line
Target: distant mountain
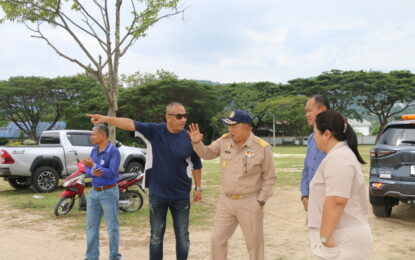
208 82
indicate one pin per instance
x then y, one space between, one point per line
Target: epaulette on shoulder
261 142
224 135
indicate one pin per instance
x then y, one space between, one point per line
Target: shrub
29 142
3 141
14 143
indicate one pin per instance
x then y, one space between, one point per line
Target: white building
360 127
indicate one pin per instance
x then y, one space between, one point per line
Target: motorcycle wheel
64 205
137 199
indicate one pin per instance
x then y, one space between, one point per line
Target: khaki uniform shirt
339 174
246 170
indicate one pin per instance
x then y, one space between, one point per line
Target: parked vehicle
392 167
130 199
42 166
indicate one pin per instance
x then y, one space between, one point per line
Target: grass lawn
288 162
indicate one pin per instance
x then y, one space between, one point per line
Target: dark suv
392 168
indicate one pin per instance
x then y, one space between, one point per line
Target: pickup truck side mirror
118 144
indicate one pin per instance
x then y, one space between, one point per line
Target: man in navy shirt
102 167
170 163
315 105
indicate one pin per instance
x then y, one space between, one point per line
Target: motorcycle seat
128 176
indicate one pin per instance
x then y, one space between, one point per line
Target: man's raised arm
119 122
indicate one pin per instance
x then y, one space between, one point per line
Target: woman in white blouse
337 213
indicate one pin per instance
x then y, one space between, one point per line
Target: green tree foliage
89 99
26 101
96 28
139 79
247 96
287 110
147 103
336 85
355 93
385 94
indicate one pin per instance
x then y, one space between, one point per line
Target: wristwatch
198 188
323 239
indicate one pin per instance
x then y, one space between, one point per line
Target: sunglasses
179 116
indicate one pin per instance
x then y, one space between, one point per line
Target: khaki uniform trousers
352 243
249 215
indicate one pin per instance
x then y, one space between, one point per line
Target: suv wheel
382 206
45 179
382 210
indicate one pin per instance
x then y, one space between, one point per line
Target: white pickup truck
55 157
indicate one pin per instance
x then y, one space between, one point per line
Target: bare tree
99 20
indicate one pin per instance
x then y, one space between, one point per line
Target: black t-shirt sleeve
148 130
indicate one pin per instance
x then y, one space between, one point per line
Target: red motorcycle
130 199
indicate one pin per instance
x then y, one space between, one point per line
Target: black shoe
82 208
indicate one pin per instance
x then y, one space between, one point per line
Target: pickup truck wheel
134 167
19 183
45 179
382 210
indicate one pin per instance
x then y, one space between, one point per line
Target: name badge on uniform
249 153
102 162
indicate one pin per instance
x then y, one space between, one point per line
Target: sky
242 41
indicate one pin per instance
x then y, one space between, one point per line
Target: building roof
356 123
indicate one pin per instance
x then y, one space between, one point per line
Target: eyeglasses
179 116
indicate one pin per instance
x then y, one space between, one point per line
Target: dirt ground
28 236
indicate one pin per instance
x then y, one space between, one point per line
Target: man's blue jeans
180 210
102 203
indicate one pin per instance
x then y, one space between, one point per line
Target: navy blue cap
238 116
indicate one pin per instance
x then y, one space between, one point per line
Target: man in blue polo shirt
314 106
169 164
102 167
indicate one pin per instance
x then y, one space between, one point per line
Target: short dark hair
102 128
321 100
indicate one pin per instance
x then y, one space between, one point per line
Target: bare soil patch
26 235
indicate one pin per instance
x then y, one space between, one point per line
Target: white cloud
227 41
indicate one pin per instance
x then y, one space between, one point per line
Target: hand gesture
97 172
97 119
194 133
88 162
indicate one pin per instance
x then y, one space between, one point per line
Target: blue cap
238 116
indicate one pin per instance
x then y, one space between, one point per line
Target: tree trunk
112 111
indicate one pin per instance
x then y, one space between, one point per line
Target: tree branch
93 34
80 44
41 36
133 39
101 42
89 15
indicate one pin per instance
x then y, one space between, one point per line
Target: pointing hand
97 119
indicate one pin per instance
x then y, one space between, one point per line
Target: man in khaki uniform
247 175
